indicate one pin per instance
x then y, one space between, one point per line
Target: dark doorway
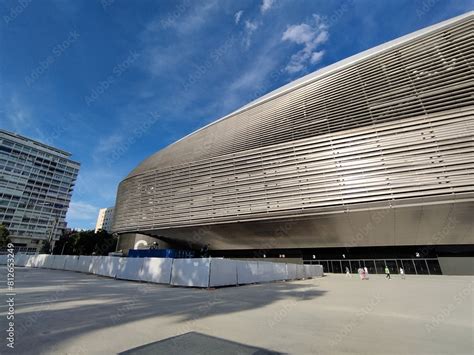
433 267
380 266
336 266
409 267
421 268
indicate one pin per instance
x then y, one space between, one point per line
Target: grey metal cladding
394 126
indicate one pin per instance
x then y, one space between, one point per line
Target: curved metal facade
391 128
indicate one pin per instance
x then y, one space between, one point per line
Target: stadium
369 161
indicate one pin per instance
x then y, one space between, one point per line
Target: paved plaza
62 312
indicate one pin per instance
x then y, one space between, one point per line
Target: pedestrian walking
366 272
361 273
348 272
387 273
402 273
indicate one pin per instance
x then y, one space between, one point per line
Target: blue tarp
160 253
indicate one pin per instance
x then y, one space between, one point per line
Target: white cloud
254 80
186 17
17 114
266 5
311 36
316 57
82 211
108 143
237 16
99 184
250 28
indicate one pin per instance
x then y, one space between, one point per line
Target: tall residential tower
105 219
36 184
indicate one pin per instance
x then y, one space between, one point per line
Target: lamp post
62 250
53 227
118 240
51 233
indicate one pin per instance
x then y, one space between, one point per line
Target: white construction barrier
33 261
48 261
280 271
58 262
108 266
190 272
40 260
223 273
265 272
71 262
157 270
20 259
129 269
198 272
30 261
291 269
313 270
273 271
319 271
247 272
84 264
299 271
95 264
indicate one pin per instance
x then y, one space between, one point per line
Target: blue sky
112 82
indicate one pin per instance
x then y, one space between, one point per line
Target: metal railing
419 266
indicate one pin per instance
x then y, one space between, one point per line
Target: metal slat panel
397 125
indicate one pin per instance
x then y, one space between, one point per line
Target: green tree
65 244
46 248
86 243
105 243
4 236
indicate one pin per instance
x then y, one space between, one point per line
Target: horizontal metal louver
397 125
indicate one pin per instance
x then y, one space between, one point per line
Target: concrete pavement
61 312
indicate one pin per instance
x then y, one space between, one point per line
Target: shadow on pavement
194 343
55 306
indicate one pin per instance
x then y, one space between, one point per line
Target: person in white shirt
402 273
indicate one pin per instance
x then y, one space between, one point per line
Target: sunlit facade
373 151
105 219
36 184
